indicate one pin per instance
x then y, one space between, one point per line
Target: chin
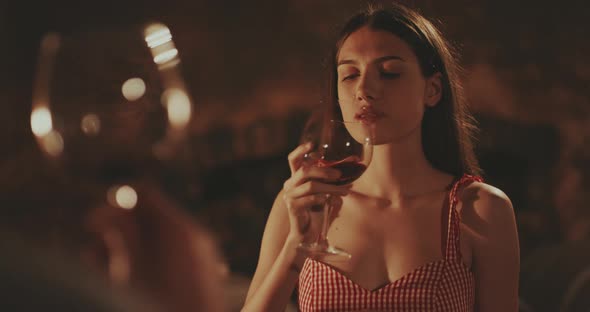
382 139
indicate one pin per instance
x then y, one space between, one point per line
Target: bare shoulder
490 228
482 203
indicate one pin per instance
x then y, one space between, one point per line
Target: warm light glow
165 37
41 123
50 42
119 262
52 143
165 56
178 106
126 197
157 34
325 145
133 89
159 40
347 143
90 124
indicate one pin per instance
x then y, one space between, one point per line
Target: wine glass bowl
336 147
109 103
346 147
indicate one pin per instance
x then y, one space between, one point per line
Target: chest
387 243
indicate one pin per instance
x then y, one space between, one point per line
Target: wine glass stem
323 238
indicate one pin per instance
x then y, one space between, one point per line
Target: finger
316 187
299 211
288 184
296 156
307 173
300 204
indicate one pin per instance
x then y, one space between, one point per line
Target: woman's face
380 83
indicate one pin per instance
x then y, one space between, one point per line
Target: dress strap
453 246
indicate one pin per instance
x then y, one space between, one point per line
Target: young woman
425 232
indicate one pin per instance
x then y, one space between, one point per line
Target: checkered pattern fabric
442 285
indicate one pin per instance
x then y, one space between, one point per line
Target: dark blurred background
256 69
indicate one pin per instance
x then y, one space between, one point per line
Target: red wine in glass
350 170
346 147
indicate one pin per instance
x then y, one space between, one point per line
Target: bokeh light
133 89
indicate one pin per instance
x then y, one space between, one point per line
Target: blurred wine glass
110 103
111 112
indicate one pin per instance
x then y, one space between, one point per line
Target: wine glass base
323 251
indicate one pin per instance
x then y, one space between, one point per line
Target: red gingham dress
442 285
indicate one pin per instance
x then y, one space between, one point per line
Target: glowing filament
156 35
165 56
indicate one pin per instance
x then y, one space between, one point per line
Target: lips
369 115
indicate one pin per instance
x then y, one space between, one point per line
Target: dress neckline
448 206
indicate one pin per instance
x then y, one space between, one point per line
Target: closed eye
350 77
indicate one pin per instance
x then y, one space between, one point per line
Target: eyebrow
378 60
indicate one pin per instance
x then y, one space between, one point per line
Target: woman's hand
303 193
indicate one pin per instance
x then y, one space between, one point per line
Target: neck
400 170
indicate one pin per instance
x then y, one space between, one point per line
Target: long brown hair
447 128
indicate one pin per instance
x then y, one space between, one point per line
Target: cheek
344 93
347 112
406 97
346 103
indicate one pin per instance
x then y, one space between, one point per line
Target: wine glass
342 145
110 106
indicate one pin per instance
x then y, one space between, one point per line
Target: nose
367 89
364 96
